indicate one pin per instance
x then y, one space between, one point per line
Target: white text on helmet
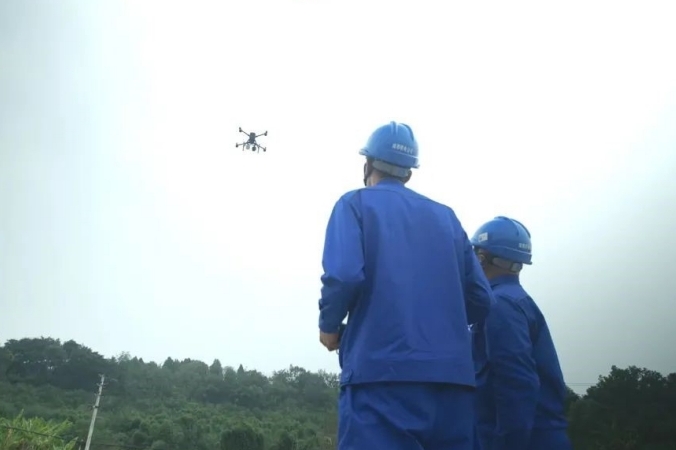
524 246
403 148
483 237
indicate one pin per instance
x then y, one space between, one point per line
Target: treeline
188 404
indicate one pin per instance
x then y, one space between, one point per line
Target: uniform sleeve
343 263
478 293
515 381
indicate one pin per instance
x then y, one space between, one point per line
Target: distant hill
185 405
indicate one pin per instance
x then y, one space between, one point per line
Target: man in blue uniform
520 387
403 268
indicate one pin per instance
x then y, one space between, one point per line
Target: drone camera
250 142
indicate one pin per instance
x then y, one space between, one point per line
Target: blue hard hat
393 143
504 238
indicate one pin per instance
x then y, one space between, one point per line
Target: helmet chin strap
368 170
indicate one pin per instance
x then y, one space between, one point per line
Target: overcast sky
130 222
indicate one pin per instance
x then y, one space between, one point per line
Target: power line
9 427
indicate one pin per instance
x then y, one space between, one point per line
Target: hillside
189 404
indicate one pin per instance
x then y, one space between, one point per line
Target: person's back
401 268
551 411
520 387
550 395
410 323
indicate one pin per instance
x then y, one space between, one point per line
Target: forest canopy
50 385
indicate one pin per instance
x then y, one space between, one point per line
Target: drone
251 143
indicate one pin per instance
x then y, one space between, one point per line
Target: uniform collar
390 182
504 279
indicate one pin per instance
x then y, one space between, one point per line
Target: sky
131 223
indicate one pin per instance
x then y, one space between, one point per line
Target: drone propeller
250 143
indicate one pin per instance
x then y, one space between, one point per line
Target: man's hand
330 340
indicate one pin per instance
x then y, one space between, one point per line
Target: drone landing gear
250 143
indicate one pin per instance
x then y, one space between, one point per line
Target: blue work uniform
401 268
520 393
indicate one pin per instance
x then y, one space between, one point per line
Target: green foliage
189 404
33 434
174 406
628 409
242 436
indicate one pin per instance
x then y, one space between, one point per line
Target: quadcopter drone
251 143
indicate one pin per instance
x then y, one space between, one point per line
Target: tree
21 433
242 437
186 403
216 369
629 408
180 404
286 442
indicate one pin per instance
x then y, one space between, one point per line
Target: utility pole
96 410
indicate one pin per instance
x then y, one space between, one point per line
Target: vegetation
47 389
34 434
